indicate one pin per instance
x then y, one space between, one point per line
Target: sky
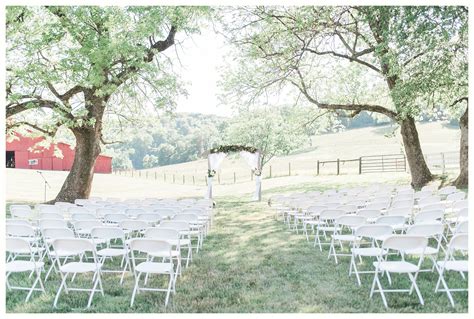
200 58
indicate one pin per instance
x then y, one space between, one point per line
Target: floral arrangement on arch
233 148
211 172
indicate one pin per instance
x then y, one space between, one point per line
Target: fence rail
438 162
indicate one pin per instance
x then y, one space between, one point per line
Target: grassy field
252 263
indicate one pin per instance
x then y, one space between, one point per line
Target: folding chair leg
135 289
446 289
413 280
63 283
354 266
96 282
169 289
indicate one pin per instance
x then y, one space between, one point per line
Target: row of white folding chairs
68 248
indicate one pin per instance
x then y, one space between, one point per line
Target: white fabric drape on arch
215 160
253 160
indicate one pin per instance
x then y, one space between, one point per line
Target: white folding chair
183 229
16 247
431 231
152 248
397 222
458 243
327 218
133 228
77 248
83 228
21 212
114 219
171 236
83 216
350 223
372 233
196 227
107 239
429 217
370 215
152 219
399 243
49 235
313 212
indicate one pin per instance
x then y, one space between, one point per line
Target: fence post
184 179
338 162
219 178
289 168
205 179
139 173
164 176
234 178
146 174
251 175
317 168
270 171
443 163
174 179
155 176
194 181
360 165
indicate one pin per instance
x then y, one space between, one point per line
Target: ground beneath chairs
252 263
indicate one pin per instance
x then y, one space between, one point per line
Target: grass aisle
252 263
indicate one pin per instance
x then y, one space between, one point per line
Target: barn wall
46 158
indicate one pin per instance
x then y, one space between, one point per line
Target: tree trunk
420 173
79 180
463 178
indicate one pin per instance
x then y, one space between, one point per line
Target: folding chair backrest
50 209
431 188
429 216
348 209
435 206
459 242
52 223
165 212
447 190
21 212
83 216
174 224
133 225
462 227
190 218
193 210
78 210
373 230
351 220
51 216
391 220
17 222
461 204
429 200
101 212
20 231
72 246
86 224
456 196
150 246
115 218
315 209
369 213
108 233
405 242
400 211
331 214
427 230
162 233
402 204
149 217
56 232
132 212
378 205
17 245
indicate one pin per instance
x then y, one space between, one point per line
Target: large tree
67 65
407 47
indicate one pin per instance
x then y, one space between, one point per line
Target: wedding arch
251 155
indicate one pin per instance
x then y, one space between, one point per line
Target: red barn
22 154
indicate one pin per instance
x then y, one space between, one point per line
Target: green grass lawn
252 263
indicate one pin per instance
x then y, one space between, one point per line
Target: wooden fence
280 168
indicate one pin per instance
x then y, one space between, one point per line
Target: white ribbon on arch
253 160
215 160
